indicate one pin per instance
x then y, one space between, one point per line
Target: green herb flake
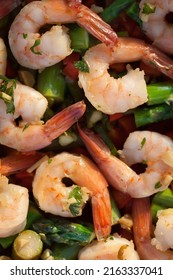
25 35
143 143
75 207
7 87
26 126
148 9
49 160
82 65
37 43
158 185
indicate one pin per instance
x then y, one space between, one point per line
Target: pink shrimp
37 51
139 146
32 134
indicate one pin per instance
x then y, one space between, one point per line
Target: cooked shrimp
155 24
114 247
37 51
54 197
154 149
111 95
163 239
3 57
141 214
14 202
32 134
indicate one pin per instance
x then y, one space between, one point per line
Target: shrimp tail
159 60
141 214
94 144
100 208
96 26
17 162
116 172
64 120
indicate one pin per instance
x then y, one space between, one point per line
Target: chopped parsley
76 206
26 126
49 160
37 43
143 143
148 9
7 87
82 65
25 35
158 185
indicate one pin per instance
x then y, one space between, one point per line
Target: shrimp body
31 133
156 151
3 57
36 51
155 25
141 146
163 239
111 95
54 197
106 93
14 202
113 248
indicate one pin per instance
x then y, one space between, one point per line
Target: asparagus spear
60 230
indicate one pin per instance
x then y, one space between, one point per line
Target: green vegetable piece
27 246
76 206
79 38
158 185
154 209
25 35
82 65
160 93
151 114
33 215
7 87
51 83
65 252
6 242
161 200
164 198
114 9
64 231
133 12
143 143
115 211
148 9
36 43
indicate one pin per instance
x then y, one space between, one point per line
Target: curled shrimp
3 57
31 133
14 203
155 23
154 149
37 51
111 95
142 224
114 247
54 197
